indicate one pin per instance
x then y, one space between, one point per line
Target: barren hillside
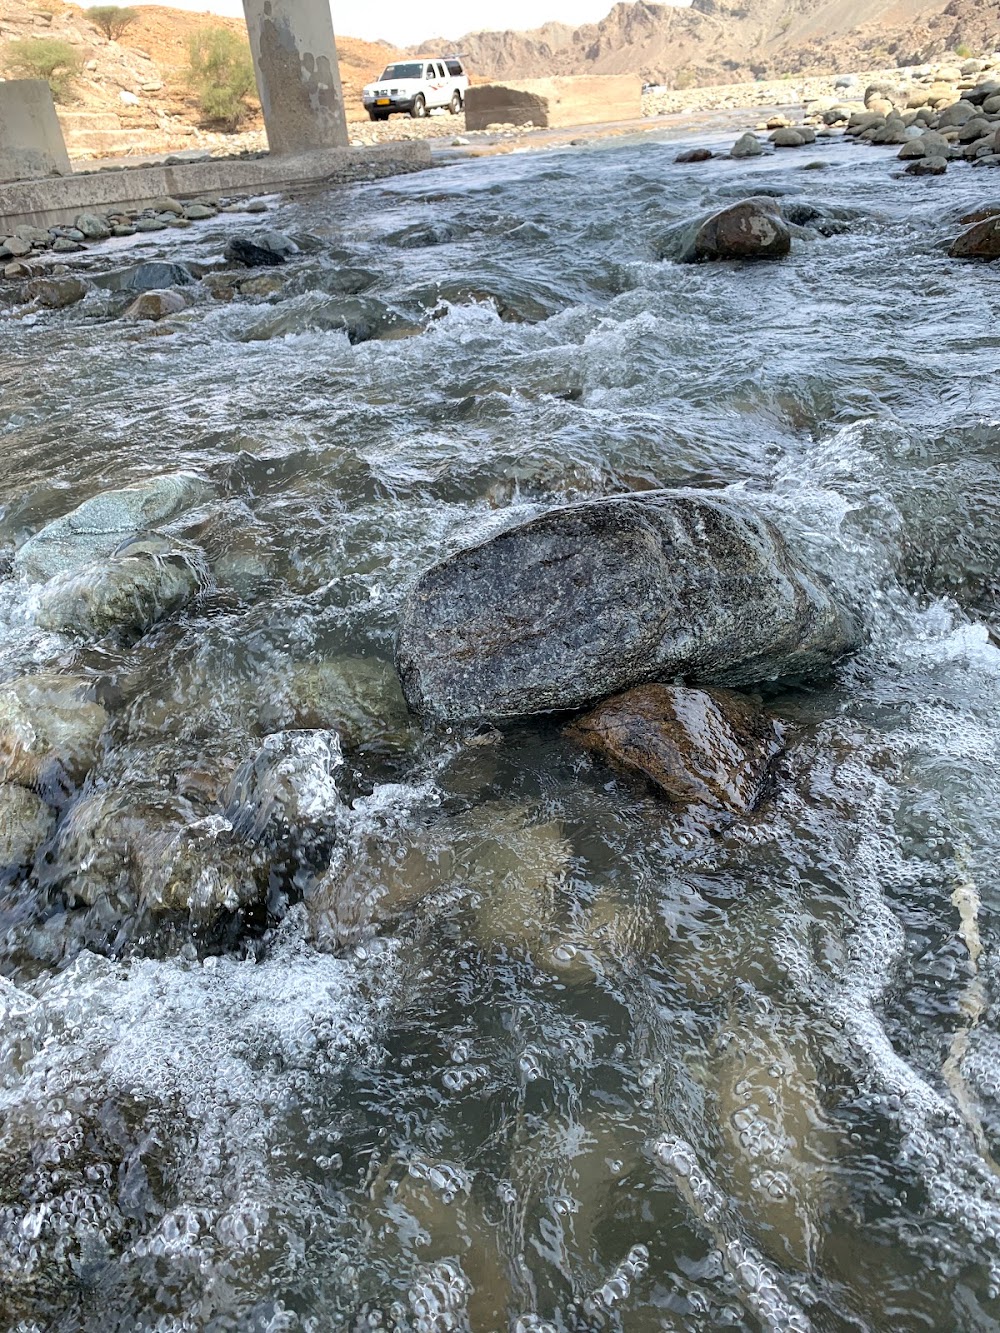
720 40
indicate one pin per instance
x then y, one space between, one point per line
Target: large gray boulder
98 526
590 599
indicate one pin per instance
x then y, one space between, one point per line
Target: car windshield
413 71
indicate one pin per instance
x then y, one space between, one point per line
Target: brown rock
25 822
55 293
751 229
156 305
981 241
50 727
694 155
980 214
704 748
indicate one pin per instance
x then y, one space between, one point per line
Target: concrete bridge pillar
298 77
31 138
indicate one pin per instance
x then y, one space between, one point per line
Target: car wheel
375 115
455 105
419 108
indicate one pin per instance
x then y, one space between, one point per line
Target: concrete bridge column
31 140
298 77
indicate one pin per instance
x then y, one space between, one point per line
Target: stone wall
31 142
557 103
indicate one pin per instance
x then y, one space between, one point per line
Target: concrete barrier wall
557 103
31 142
44 203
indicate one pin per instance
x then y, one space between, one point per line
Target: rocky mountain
714 41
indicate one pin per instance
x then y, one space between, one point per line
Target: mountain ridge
714 41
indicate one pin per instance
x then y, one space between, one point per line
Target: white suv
417 86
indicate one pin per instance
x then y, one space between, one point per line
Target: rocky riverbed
498 733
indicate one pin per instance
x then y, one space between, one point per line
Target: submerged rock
981 241
287 787
590 599
508 858
359 697
143 581
704 748
25 822
362 318
695 155
155 851
100 525
50 727
750 229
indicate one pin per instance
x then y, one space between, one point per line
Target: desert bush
112 20
964 50
47 58
220 73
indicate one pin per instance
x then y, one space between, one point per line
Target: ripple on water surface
498 1043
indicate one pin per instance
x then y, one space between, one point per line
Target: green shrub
47 58
964 50
112 20
220 73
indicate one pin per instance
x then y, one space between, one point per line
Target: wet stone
56 293
928 166
591 599
155 306
127 848
25 823
50 728
747 145
750 229
100 525
981 241
142 582
154 275
35 236
363 319
704 748
241 250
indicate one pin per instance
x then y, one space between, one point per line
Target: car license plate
382 101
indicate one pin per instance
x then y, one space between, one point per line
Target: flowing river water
505 1044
